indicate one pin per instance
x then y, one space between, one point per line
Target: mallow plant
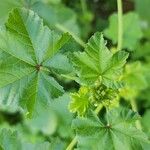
36 112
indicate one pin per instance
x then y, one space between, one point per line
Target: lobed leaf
80 101
97 63
116 132
25 48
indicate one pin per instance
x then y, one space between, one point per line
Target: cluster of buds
104 95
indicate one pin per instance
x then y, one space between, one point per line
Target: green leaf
63 115
97 63
80 101
6 6
9 140
57 17
131 33
145 121
35 133
60 18
36 146
134 78
116 132
25 47
61 67
56 121
57 14
142 52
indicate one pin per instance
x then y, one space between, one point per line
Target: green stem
99 107
134 108
74 141
45 69
72 144
120 25
83 6
76 38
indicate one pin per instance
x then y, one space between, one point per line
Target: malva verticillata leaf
117 131
98 64
131 33
28 50
9 140
53 119
12 140
80 101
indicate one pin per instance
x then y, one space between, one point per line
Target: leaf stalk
74 141
120 25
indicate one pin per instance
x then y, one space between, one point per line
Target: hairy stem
134 108
74 141
120 25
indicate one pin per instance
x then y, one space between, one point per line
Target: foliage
65 84
98 64
115 130
134 80
80 101
27 61
131 33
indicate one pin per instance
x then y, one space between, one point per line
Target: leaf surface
131 30
25 47
80 101
116 132
97 63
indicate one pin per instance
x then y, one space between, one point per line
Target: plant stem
134 108
120 25
72 144
74 141
99 107
83 6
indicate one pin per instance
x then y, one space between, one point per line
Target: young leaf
116 132
97 63
80 101
25 48
131 33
